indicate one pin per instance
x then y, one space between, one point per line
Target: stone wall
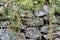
27 24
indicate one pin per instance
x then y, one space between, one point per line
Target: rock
22 36
5 35
57 39
25 13
33 21
46 8
4 24
1 31
31 39
44 29
39 13
22 13
46 17
45 36
32 32
57 33
23 26
42 12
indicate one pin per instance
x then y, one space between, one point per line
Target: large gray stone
44 29
43 12
22 36
45 36
7 34
35 22
32 32
57 33
4 24
46 9
46 17
57 39
40 13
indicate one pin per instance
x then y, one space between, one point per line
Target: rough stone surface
32 32
57 39
45 36
44 29
23 26
4 24
6 34
46 8
40 13
34 23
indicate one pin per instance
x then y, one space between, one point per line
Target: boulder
33 32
